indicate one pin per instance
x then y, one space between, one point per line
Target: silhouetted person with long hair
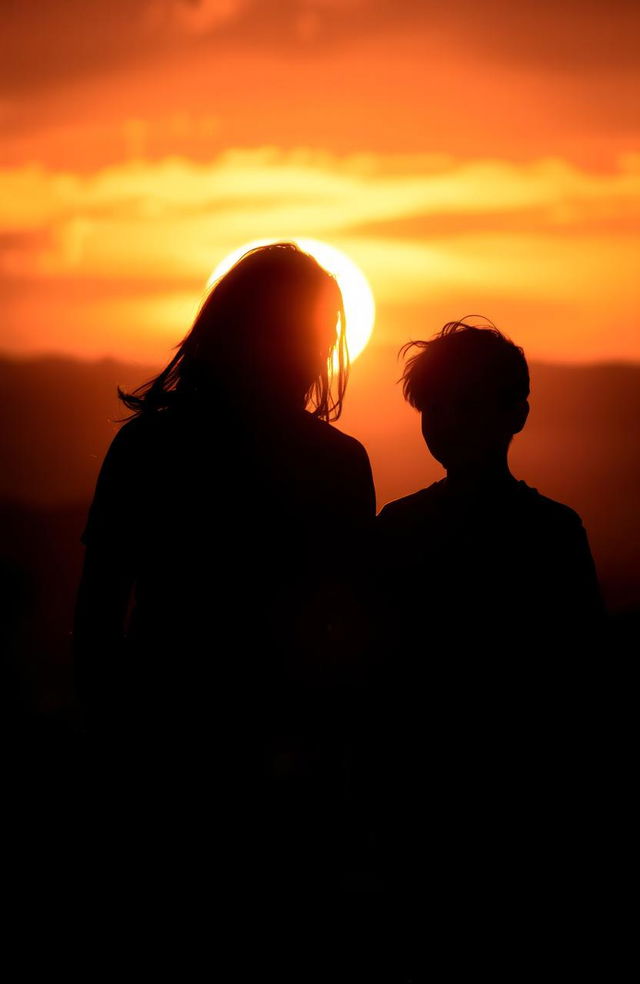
488 607
218 603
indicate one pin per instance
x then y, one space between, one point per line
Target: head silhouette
471 386
270 333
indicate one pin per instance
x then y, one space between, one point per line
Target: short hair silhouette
471 386
463 358
274 325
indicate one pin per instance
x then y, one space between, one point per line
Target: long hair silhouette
272 327
214 624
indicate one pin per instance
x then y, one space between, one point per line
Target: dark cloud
53 41
47 42
558 35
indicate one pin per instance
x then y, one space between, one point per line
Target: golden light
359 305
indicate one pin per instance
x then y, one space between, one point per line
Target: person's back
217 596
487 570
489 605
229 594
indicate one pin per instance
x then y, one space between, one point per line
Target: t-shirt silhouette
235 529
488 613
499 567
241 534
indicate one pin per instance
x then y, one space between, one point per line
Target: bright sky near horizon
482 157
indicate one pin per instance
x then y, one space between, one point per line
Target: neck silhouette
467 476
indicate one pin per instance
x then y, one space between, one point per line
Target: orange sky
478 157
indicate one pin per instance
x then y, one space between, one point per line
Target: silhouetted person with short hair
482 562
218 606
488 608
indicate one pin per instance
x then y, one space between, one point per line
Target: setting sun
358 300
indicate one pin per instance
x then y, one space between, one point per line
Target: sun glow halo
359 305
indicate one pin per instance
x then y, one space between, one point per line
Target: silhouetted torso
489 608
235 531
495 569
241 537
